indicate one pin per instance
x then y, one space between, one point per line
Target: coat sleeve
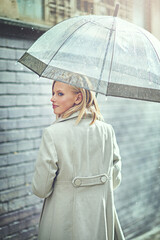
116 163
45 167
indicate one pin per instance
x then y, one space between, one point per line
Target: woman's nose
52 99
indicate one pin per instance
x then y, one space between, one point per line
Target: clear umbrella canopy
102 53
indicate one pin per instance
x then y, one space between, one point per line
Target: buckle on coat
90 181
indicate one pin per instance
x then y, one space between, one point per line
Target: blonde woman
77 168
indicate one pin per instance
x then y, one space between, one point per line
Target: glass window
30 9
79 4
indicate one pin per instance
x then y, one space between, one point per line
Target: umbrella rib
149 72
63 44
111 58
98 24
151 44
100 78
155 53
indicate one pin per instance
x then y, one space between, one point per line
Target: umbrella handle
116 10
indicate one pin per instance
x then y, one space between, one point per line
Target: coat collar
75 115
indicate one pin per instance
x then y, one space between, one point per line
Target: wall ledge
20 29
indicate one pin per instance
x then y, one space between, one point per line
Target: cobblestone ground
152 235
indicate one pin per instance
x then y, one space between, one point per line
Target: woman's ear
78 98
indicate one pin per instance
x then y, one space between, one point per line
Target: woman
77 168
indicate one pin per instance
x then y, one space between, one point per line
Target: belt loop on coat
90 181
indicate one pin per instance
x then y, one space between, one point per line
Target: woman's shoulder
58 127
105 127
66 126
105 124
53 127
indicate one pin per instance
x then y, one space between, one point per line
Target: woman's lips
54 106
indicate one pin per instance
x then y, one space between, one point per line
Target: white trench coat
77 168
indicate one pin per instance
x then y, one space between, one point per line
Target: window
27 11
30 9
85 6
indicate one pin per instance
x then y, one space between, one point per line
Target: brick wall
25 111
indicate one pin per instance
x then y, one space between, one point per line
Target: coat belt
90 181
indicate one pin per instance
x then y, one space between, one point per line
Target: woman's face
63 98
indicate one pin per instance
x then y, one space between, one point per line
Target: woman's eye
60 94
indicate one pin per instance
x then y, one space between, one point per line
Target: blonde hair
89 102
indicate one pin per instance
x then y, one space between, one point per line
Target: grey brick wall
25 110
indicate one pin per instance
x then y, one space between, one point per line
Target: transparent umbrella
102 53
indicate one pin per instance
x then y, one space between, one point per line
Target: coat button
103 179
77 182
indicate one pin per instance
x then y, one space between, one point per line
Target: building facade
145 13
